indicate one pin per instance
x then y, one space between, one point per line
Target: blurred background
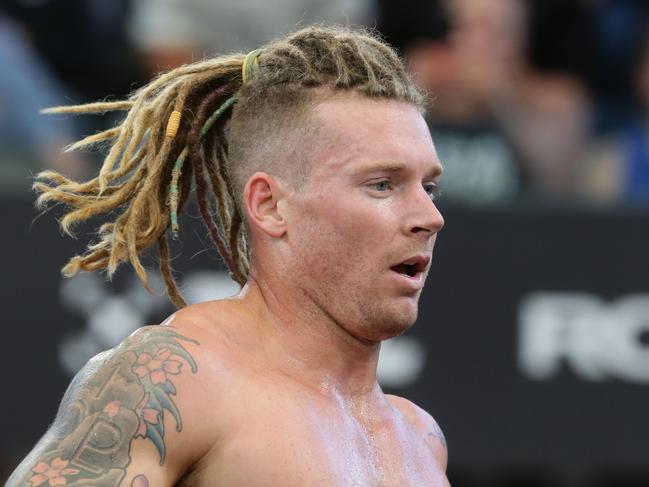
532 346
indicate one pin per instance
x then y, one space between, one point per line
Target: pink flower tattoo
53 473
158 366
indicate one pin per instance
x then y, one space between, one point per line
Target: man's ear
263 197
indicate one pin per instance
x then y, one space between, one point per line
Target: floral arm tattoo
105 409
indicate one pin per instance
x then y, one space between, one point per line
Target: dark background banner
533 333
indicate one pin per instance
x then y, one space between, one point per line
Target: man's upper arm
426 425
121 419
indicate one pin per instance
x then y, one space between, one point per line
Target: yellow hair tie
173 124
250 66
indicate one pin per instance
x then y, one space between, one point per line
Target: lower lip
414 283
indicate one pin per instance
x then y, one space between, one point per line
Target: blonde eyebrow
396 167
381 167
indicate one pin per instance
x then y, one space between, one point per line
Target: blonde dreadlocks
144 178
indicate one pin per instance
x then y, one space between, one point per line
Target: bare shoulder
205 318
424 423
128 416
216 324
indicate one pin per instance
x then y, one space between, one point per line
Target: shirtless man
331 166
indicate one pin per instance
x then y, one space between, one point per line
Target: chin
391 323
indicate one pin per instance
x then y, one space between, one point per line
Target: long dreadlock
215 115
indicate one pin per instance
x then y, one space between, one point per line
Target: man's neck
304 342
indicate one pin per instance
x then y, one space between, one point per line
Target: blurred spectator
84 43
55 52
29 142
618 28
502 126
172 32
617 165
561 36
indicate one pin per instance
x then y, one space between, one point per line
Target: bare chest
292 443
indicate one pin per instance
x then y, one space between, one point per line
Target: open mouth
409 270
411 267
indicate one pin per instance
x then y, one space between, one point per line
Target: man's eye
381 186
433 191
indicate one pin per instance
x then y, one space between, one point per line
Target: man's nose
424 218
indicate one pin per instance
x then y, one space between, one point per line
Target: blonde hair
134 182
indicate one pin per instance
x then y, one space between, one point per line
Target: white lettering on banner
597 340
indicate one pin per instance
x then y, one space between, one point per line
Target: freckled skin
277 386
369 231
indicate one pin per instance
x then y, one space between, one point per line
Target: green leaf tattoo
155 363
